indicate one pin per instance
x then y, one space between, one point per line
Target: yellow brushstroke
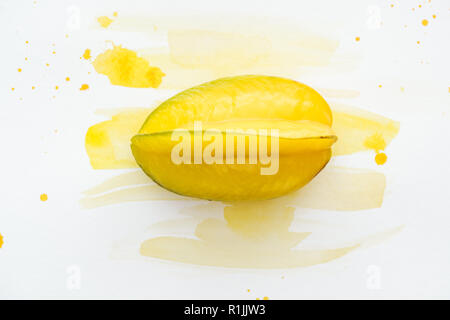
108 143
360 130
253 235
125 68
335 188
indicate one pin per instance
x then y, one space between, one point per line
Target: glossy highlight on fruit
252 108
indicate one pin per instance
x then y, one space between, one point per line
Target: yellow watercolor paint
380 158
125 68
87 54
104 21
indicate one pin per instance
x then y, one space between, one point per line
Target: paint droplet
104 21
380 158
87 54
424 22
44 197
1 240
357 38
84 87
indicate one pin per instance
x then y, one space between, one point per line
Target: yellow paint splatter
44 197
434 16
87 54
19 70
375 142
266 298
12 89
380 86
380 158
424 22
1 240
115 14
125 68
67 79
84 87
357 39
104 21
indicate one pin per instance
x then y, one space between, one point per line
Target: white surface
43 240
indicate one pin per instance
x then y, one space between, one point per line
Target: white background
43 240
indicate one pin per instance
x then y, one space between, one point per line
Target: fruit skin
241 99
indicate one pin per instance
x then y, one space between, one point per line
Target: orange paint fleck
43 197
380 158
424 22
357 38
104 21
84 87
87 54
1 240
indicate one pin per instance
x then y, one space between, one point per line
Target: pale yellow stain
87 54
359 130
335 188
125 68
252 235
108 143
104 21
